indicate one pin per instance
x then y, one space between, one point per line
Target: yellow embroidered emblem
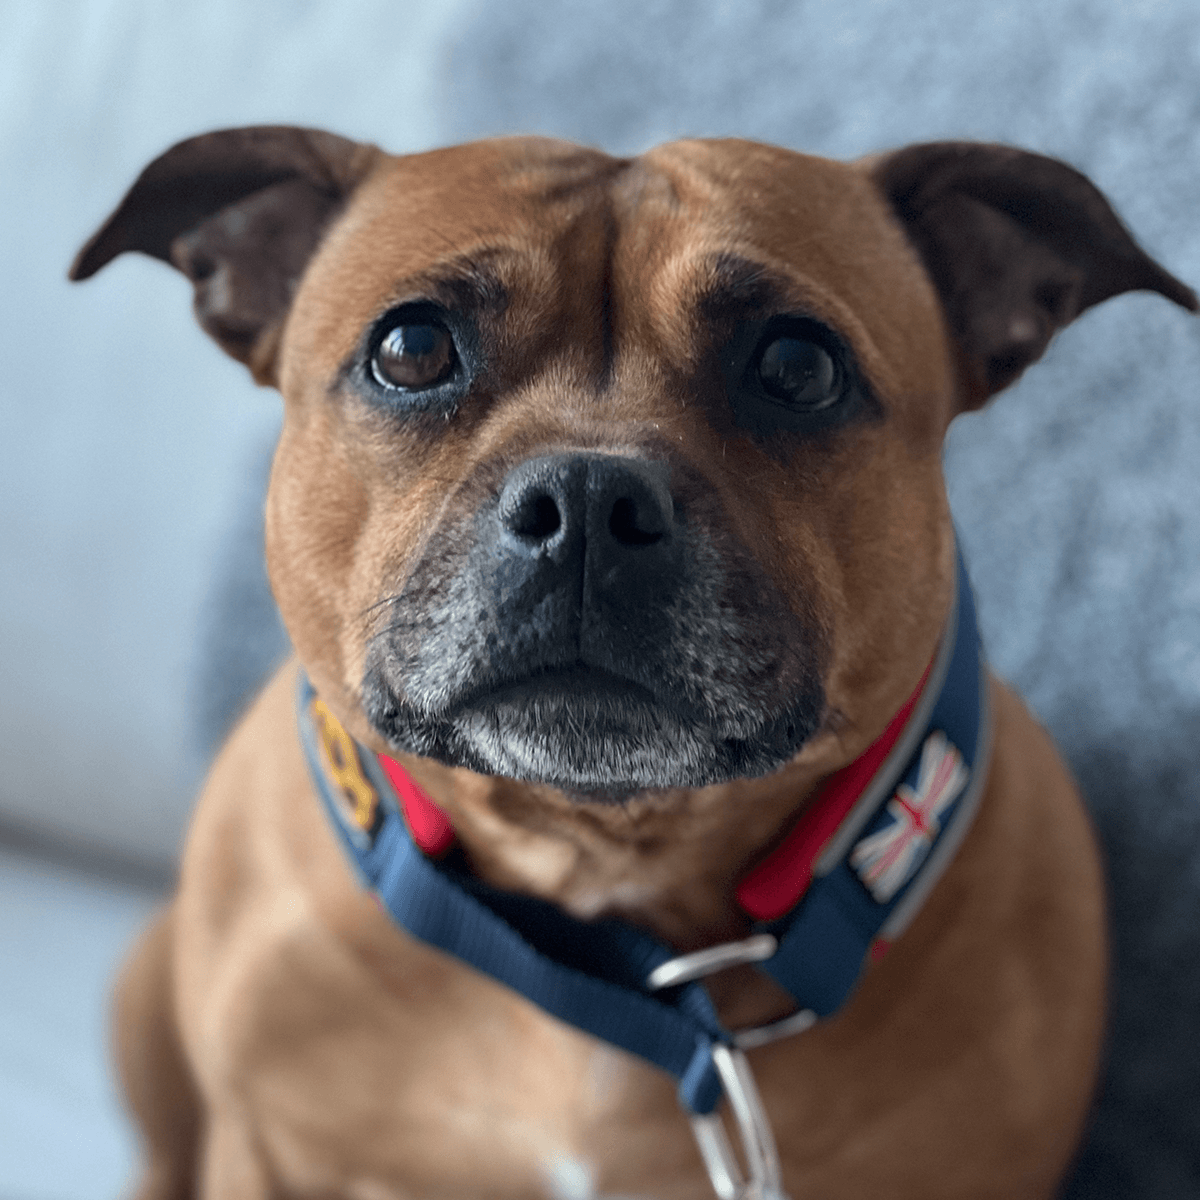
340 758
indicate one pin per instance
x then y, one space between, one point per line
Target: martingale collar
843 884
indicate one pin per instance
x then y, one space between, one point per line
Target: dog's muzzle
593 627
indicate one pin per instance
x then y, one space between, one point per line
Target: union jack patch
888 858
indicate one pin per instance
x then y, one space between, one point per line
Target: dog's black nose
586 561
600 509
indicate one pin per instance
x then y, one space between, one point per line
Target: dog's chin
591 736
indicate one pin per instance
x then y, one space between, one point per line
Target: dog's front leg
157 1081
230 1169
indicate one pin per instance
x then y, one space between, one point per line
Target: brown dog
609 502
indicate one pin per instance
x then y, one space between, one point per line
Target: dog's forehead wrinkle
480 283
553 167
643 190
473 281
732 282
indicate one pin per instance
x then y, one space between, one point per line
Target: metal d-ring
686 967
763 1035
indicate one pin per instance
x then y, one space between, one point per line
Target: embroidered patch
888 858
356 799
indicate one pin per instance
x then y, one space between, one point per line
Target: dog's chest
421 1079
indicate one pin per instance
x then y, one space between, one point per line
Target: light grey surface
62 1136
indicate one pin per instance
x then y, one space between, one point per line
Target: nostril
537 518
626 526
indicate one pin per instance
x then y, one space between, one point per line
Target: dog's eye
414 356
798 372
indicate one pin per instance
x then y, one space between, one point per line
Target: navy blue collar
623 985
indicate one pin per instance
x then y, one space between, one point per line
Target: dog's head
619 474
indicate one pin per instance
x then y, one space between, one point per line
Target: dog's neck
669 862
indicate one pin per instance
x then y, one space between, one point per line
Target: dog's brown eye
799 372
414 356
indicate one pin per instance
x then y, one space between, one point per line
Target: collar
838 890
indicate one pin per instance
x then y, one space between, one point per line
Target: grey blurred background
134 615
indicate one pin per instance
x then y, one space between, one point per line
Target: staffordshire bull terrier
636 816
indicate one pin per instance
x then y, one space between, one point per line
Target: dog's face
583 459
619 475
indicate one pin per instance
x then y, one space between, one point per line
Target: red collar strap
428 824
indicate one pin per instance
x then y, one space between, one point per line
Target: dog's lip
578 680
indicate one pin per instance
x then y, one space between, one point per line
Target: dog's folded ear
1017 245
239 212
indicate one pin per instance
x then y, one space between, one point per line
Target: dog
609 527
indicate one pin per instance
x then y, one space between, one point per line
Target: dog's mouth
580 728
591 733
578 683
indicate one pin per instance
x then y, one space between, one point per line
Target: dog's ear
239 212
1017 244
